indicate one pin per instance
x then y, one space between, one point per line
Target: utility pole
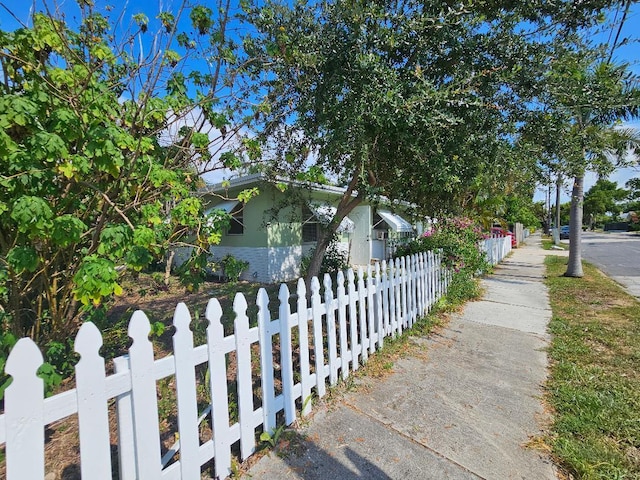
556 232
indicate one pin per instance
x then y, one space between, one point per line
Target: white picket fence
496 248
328 337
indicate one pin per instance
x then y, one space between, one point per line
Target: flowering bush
458 239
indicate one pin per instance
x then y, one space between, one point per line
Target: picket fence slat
218 388
124 413
342 328
186 394
303 335
330 318
318 310
144 399
354 346
286 354
371 311
266 361
362 317
24 407
243 376
93 414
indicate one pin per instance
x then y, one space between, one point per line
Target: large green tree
102 137
402 99
604 197
410 100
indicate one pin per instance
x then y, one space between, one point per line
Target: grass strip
594 383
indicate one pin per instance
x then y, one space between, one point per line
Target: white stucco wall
266 264
360 253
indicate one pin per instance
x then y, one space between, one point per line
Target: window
236 226
309 225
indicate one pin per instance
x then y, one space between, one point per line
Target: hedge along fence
325 338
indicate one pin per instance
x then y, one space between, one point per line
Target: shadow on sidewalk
317 464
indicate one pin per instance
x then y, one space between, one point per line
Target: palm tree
592 97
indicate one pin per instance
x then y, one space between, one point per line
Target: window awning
226 206
395 222
324 213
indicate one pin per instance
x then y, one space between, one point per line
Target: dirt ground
62 451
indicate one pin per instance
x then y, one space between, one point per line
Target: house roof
261 177
255 178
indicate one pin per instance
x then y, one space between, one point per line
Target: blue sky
628 52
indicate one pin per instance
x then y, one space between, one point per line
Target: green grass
594 384
547 243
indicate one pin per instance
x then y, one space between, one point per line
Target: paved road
616 254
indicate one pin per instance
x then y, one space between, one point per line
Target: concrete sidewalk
465 410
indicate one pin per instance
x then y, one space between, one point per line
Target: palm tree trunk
574 266
556 238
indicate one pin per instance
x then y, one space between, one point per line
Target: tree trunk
167 268
318 254
346 205
556 238
574 266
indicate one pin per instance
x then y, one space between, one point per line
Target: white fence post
420 284
386 321
93 413
379 287
219 392
399 290
391 292
24 413
406 312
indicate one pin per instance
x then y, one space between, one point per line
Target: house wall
266 264
360 249
272 243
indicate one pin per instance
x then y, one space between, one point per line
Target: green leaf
230 160
142 20
138 257
201 18
32 215
114 241
144 236
95 280
67 230
23 259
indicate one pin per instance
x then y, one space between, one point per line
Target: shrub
233 267
458 239
334 261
